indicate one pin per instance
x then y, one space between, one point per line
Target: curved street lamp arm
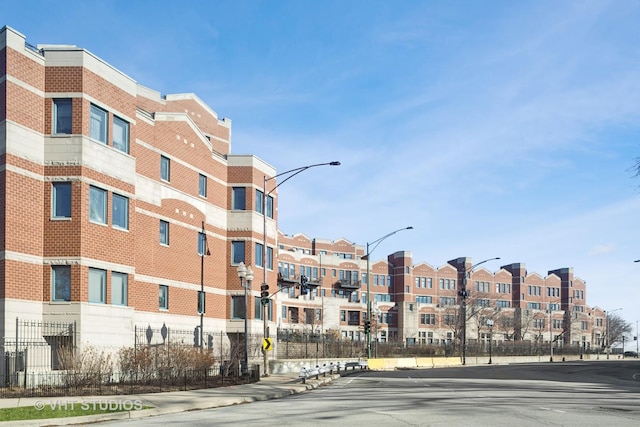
378 241
295 172
481 262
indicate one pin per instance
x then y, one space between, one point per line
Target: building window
269 206
237 251
450 319
238 307
120 212
61 198
259 202
164 233
202 185
165 169
163 294
428 319
503 304
98 124
61 280
97 205
269 258
258 309
343 315
259 255
238 198
118 288
120 134
62 116
97 286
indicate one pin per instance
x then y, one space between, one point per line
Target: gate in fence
36 346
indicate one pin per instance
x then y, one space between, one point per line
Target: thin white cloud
601 249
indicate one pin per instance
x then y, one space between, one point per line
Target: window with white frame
164 233
202 185
62 115
118 288
61 283
238 198
120 134
120 212
269 258
238 307
163 297
165 169
61 200
259 256
98 125
97 205
269 206
237 251
97 286
259 201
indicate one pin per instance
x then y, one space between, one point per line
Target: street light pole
490 325
265 286
245 273
550 334
242 273
463 293
204 251
375 244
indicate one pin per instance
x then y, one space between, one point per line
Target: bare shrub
90 367
145 363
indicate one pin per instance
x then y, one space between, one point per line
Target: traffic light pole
264 287
367 322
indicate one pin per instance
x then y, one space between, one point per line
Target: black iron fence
42 359
53 384
295 344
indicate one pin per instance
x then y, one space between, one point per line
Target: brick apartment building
119 205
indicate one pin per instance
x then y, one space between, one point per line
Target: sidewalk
272 387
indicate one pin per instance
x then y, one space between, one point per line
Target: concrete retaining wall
392 363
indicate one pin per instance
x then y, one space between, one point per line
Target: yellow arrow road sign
267 344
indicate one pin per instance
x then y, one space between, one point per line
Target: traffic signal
264 294
304 288
196 337
264 291
367 326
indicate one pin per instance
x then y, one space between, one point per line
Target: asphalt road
558 394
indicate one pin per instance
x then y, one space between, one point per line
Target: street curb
277 391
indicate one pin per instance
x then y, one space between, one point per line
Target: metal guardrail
338 367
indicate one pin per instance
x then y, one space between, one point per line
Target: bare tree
617 327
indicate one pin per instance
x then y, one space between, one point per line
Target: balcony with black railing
349 284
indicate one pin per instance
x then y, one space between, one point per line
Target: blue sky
493 128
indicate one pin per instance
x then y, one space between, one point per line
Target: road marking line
553 410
